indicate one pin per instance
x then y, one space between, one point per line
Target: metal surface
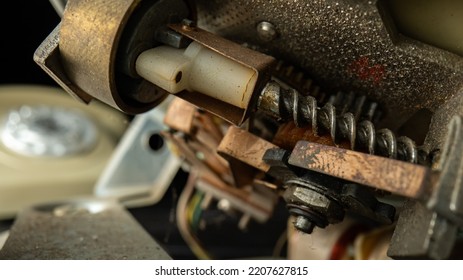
435 226
244 152
303 224
142 32
180 115
344 45
171 38
195 134
373 84
447 198
409 180
89 37
421 233
440 188
142 166
279 169
85 229
98 41
287 104
255 204
48 57
364 202
266 31
311 206
323 199
198 137
245 147
288 134
359 105
436 137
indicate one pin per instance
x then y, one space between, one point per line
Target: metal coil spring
359 105
287 103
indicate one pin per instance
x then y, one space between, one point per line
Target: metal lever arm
441 189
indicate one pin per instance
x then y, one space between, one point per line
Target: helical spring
285 104
359 105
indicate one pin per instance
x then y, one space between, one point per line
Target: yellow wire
184 227
191 208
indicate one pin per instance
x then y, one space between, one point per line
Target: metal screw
304 225
188 24
266 31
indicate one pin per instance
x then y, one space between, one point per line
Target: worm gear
287 103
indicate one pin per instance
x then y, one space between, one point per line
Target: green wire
197 211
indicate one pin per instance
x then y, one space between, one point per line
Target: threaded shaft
285 104
359 105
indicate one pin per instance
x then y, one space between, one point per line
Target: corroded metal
89 37
288 134
421 233
285 104
344 45
323 199
48 57
244 152
91 52
305 199
447 198
80 229
245 147
409 180
180 115
439 188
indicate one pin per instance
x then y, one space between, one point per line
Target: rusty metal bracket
245 147
398 177
89 52
48 57
441 189
317 199
435 212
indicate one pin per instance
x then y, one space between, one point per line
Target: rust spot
382 173
364 71
288 135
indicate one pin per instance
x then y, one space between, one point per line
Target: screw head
188 24
266 31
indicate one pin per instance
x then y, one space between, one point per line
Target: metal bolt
188 24
304 225
266 31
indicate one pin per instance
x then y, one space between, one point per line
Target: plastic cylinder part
198 69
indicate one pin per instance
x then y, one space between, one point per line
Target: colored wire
182 219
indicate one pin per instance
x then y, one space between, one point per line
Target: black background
24 25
